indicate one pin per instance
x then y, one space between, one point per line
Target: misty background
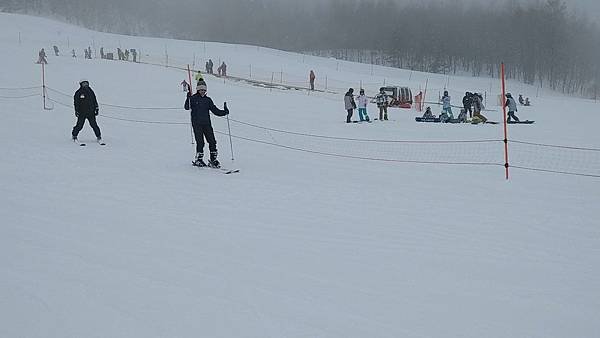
550 43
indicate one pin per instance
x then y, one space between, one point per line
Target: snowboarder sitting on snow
86 107
462 117
349 104
512 108
428 114
521 102
527 103
200 105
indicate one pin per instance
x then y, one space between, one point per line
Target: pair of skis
222 170
82 144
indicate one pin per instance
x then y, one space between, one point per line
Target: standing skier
446 107
200 105
362 106
311 78
512 107
185 86
349 104
467 103
42 57
86 107
382 104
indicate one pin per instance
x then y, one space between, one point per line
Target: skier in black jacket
86 107
468 103
200 105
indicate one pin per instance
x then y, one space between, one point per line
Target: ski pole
190 92
229 130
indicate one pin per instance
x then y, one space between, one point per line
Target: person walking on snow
446 107
86 108
222 69
185 86
42 57
210 66
512 107
200 105
362 106
382 104
349 104
312 78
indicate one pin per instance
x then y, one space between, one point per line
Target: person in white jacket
362 106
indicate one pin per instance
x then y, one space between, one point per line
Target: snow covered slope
130 240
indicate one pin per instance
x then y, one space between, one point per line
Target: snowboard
520 122
427 119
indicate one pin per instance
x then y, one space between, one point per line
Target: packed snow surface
130 240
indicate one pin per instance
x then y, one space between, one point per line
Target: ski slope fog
130 240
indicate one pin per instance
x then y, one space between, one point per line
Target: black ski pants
81 120
202 131
512 114
349 116
468 109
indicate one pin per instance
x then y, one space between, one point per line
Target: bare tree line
540 43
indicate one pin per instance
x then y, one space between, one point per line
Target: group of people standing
381 99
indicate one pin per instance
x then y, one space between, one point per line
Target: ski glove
225 108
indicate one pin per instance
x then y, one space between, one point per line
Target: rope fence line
19 97
293 132
520 161
20 88
360 157
554 171
553 146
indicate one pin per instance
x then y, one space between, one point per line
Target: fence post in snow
272 77
19 38
250 70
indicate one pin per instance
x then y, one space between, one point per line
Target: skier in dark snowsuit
86 108
468 103
512 108
200 105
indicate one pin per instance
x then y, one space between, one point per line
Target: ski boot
214 163
198 161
